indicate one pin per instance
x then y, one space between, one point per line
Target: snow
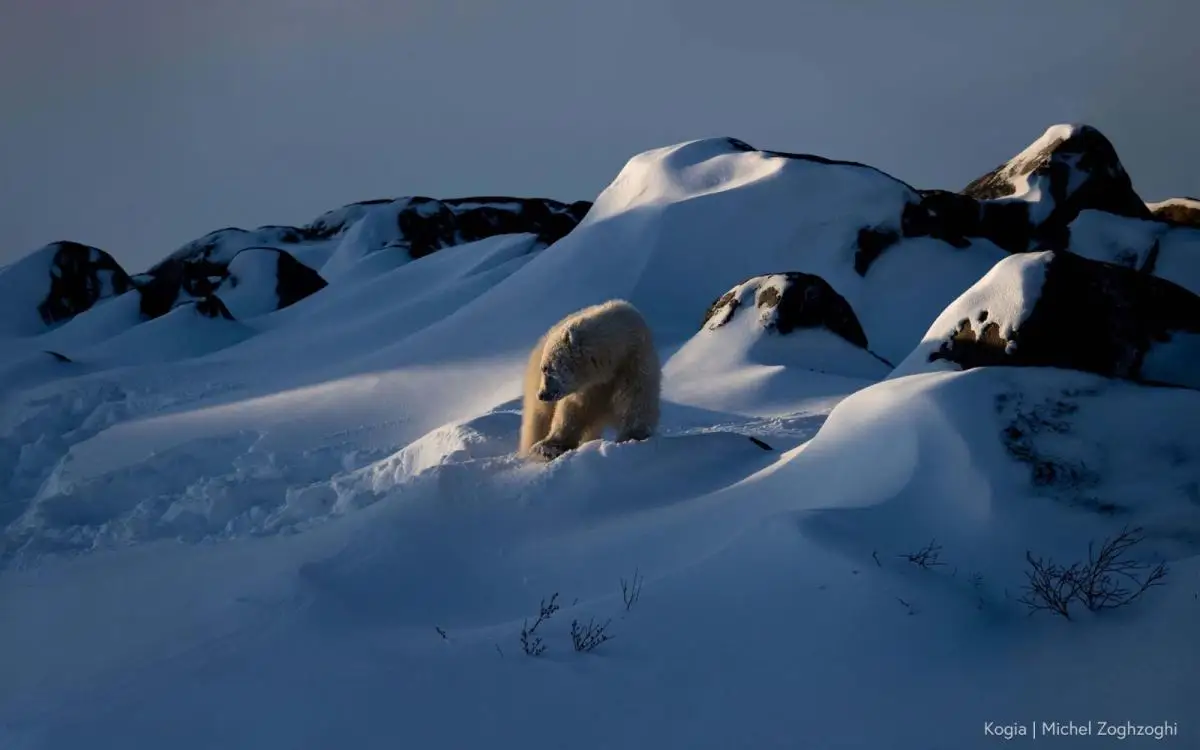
377 227
309 529
1179 258
1115 239
250 288
1007 292
23 286
1192 203
1034 189
1171 253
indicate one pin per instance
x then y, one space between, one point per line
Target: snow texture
307 528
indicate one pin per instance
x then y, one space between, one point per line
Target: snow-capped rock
1179 211
55 283
1061 310
787 301
418 226
1027 202
1068 169
261 280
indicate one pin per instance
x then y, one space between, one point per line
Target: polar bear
595 368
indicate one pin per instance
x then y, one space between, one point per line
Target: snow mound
801 325
680 225
1154 247
1003 460
54 284
190 330
1062 310
262 280
307 520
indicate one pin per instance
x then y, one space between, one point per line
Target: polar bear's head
566 367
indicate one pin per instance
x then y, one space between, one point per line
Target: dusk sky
137 125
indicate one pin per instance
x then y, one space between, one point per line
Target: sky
137 125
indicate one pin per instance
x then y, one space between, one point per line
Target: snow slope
308 529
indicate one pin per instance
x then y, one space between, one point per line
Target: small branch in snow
440 632
631 590
926 557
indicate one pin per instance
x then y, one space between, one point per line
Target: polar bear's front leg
573 419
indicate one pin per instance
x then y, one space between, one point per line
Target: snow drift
288 498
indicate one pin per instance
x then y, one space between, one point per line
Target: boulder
1183 212
1058 309
80 276
789 301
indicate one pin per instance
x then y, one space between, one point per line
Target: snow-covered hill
265 495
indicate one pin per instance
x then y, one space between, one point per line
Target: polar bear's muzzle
552 389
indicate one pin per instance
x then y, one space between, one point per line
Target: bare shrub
531 642
1107 580
587 637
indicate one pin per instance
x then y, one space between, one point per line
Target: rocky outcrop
1057 309
80 276
417 226
427 225
1183 212
786 302
1028 202
1069 169
1025 204
294 281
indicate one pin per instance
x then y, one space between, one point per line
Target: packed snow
308 528
250 288
23 285
1169 252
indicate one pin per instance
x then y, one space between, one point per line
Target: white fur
599 368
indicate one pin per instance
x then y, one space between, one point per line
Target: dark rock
871 244
788 301
295 280
158 293
427 225
1183 212
212 307
1074 168
424 225
80 276
1090 316
1077 167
